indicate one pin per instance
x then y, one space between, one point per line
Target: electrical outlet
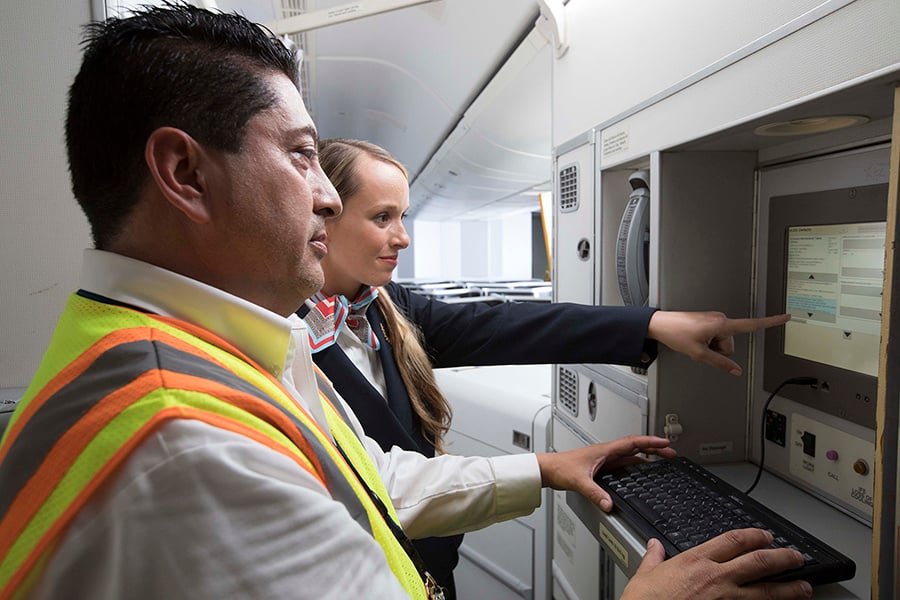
776 427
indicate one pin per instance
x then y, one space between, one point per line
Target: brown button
861 467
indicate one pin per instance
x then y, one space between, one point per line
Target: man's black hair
176 65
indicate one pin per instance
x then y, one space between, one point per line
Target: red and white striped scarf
330 313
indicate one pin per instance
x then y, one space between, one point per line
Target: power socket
776 427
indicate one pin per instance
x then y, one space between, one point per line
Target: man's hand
706 336
575 469
724 567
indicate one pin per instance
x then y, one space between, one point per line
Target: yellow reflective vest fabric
110 377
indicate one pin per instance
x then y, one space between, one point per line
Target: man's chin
312 283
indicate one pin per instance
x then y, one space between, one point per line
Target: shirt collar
261 334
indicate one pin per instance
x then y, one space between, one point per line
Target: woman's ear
174 158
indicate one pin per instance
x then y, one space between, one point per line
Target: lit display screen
835 278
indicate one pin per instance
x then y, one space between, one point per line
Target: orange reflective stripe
74 369
72 443
199 332
168 414
245 402
222 344
64 453
65 376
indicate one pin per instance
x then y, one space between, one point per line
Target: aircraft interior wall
689 121
42 230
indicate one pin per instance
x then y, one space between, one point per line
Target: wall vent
567 398
568 189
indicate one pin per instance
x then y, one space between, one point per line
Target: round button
861 467
831 455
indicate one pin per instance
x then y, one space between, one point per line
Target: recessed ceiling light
810 125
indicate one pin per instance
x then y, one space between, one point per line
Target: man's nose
326 201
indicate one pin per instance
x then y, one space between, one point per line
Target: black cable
762 428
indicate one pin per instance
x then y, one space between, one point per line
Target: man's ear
174 159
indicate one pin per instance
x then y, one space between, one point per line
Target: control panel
834 461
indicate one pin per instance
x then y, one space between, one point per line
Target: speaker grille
568 391
568 189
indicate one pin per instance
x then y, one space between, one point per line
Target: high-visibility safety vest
111 376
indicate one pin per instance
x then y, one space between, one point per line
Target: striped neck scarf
331 313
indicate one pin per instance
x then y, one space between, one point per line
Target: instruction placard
613 141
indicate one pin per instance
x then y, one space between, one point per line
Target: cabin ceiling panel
403 79
407 79
423 82
367 109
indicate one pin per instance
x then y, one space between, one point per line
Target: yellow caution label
613 544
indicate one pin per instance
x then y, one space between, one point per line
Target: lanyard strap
434 591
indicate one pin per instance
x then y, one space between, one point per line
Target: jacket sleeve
478 334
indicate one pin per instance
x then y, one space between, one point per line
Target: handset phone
633 243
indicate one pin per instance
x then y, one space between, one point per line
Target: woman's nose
401 238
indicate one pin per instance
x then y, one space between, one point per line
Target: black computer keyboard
682 504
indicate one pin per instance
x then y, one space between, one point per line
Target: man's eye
309 153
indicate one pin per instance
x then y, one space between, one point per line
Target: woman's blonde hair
338 158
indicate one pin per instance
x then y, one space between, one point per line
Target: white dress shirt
199 512
365 358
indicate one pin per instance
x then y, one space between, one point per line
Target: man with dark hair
136 76
176 440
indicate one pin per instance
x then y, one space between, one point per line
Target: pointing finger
734 326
